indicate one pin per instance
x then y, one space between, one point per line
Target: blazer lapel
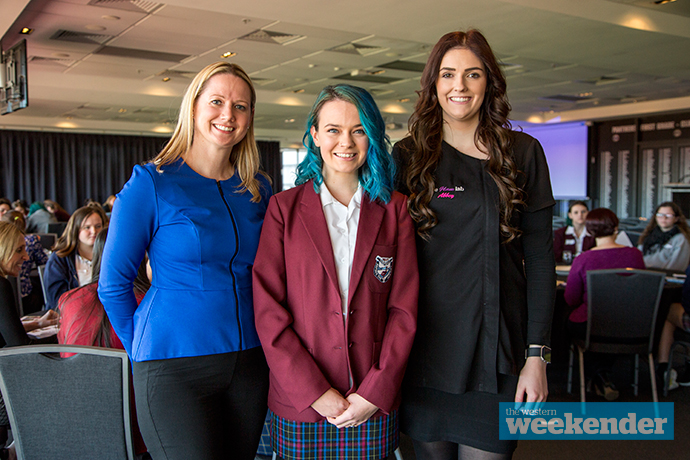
311 215
370 219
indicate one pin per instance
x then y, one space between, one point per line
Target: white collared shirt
572 238
84 270
342 222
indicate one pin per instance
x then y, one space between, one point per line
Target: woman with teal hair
335 288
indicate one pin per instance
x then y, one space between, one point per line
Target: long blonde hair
245 154
9 233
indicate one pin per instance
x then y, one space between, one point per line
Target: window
291 158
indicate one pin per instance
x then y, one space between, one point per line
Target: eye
216 102
332 130
474 75
446 75
360 131
240 107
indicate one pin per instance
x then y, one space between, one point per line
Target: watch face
546 354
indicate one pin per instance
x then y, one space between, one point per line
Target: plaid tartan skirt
375 439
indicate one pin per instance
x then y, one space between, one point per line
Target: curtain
71 168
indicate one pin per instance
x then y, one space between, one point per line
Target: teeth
344 155
227 129
459 99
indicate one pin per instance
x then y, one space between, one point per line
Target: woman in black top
481 198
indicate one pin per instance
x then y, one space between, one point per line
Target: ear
315 136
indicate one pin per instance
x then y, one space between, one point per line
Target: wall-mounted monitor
565 146
14 86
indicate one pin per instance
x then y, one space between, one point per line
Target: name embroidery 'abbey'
448 192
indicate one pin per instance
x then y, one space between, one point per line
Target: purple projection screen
565 146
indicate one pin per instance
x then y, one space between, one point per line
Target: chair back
56 227
622 306
41 276
67 408
47 240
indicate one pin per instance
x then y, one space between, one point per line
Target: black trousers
202 408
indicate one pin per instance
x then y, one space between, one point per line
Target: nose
228 113
345 140
25 256
460 83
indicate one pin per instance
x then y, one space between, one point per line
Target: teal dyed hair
377 174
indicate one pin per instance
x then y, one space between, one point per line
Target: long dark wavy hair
493 134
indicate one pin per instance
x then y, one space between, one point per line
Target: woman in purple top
601 223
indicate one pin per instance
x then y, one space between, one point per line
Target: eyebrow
339 126
466 70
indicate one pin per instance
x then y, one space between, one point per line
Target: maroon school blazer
298 309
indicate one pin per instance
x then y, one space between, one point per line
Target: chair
41 276
622 306
47 239
681 343
74 408
56 227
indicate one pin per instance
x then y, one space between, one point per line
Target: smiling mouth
345 155
460 98
225 129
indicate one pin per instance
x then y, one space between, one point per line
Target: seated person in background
32 299
678 317
56 210
602 224
5 206
665 242
21 206
69 266
83 320
39 218
12 255
573 238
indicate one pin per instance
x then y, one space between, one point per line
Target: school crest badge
383 268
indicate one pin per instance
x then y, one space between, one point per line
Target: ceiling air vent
269 36
127 5
176 74
568 98
603 81
356 48
51 61
365 77
80 37
141 54
404 65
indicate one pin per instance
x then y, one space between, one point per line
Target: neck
579 228
605 242
211 163
461 135
85 251
342 186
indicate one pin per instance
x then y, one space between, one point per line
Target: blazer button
350 345
337 348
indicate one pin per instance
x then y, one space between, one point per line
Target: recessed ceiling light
122 110
111 17
26 31
290 120
60 55
405 99
297 91
229 54
166 79
94 27
662 2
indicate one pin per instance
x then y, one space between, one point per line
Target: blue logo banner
589 420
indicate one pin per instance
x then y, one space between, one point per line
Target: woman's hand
357 413
49 319
532 381
330 404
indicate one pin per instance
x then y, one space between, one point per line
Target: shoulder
526 149
679 239
560 231
404 145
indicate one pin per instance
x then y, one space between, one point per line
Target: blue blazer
60 276
201 236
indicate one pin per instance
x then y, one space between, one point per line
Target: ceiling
99 65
